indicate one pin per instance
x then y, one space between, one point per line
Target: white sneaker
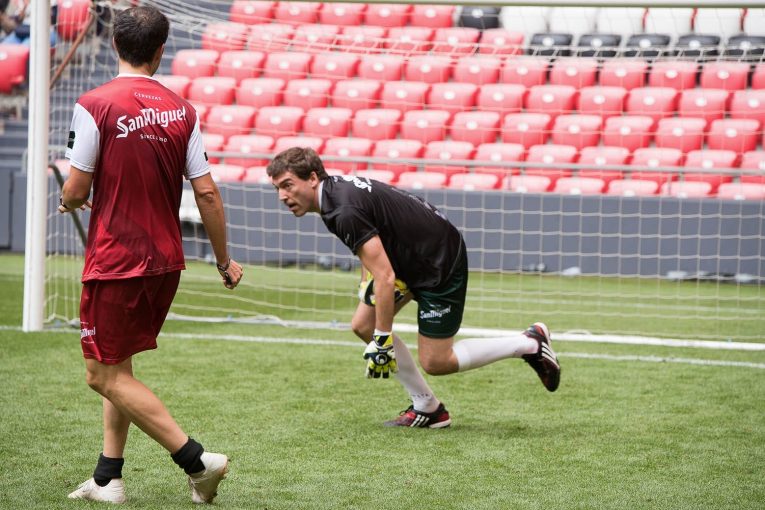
113 492
204 485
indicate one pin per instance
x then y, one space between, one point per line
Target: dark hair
299 161
138 34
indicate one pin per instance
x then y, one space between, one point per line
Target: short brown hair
138 34
298 160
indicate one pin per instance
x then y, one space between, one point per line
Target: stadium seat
500 42
308 93
287 65
13 64
314 38
549 44
270 37
376 123
632 188
251 12
334 66
577 130
212 90
501 97
428 68
479 70
455 41
647 46
241 64
476 16
194 63
498 153
603 156
748 104
278 121
527 183
178 84
260 92
577 72
229 120
526 71
327 122
686 189
356 94
684 133
256 175
425 125
677 74
404 95
747 48
72 18
452 96
758 76
249 144
387 15
306 142
202 110
709 160
297 13
362 39
435 16
347 147
422 180
476 127
753 164
381 67
397 149
708 104
384 176
225 36
697 46
724 75
654 102
226 173
741 191
551 99
473 182
345 14
409 40
628 74
603 101
213 142
579 186
652 157
631 132
550 154
527 129
447 151
737 135
599 45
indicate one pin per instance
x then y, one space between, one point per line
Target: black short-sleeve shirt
420 242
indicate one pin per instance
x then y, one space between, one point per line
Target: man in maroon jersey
134 141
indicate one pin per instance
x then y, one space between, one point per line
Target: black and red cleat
410 417
544 361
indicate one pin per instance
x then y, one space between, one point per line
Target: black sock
189 457
106 469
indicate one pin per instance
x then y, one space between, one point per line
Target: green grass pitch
303 427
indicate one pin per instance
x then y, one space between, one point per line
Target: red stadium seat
297 13
632 188
229 120
550 154
345 14
477 127
178 84
306 142
72 18
651 157
455 40
249 144
708 104
362 39
603 156
270 37
356 94
381 67
422 180
410 40
308 93
225 36
677 74
448 151
603 101
387 15
741 191
428 68
479 70
631 132
226 173
397 149
471 182
526 71
202 110
748 104
376 123
384 176
251 12
579 186
724 75
314 38
758 76
527 183
241 65
655 102
526 129
334 66
13 66
435 16
577 72
498 41
404 95
212 90
498 153
628 74
754 163
214 143
501 97
577 130
551 99
347 147
278 121
256 175
684 133
708 160
452 96
287 65
425 125
327 122
685 189
194 63
260 92
737 135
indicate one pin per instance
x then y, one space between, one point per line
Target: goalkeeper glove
367 290
381 359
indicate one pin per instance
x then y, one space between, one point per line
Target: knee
435 366
362 329
97 382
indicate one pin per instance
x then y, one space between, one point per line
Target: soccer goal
603 160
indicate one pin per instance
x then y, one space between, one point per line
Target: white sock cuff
462 353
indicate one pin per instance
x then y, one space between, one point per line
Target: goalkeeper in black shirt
411 252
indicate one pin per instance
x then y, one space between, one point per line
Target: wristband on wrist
382 333
61 202
225 266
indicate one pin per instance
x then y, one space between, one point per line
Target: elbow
206 196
